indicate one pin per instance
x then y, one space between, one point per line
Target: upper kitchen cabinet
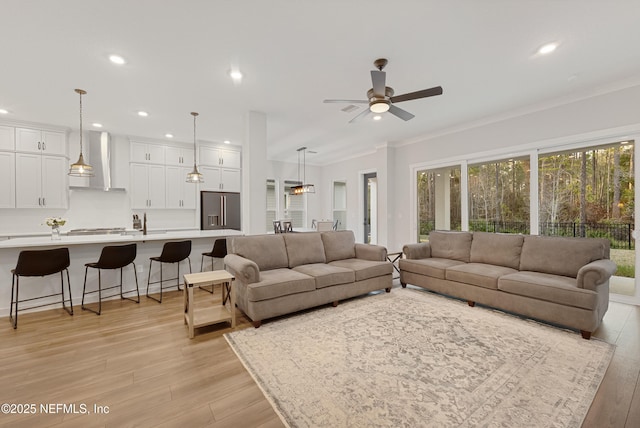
147 153
178 156
40 181
180 194
147 186
220 179
215 156
40 141
7 140
7 180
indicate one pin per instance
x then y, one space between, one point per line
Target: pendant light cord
80 122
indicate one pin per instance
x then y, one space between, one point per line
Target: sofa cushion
339 245
450 245
479 274
500 249
327 275
434 268
559 255
304 248
279 282
552 288
365 269
267 251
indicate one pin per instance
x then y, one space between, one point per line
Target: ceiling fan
381 98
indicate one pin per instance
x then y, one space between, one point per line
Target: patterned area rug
415 359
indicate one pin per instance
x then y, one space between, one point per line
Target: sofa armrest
598 272
376 253
421 250
243 269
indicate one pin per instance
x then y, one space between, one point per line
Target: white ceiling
294 54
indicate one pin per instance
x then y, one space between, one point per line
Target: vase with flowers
54 223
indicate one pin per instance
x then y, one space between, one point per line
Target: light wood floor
136 360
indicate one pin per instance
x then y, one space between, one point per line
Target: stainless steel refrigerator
219 210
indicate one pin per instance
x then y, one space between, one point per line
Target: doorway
370 182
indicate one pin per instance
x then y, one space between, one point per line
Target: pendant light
302 187
80 168
194 176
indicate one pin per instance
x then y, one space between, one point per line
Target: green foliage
628 271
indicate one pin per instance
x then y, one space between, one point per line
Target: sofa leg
470 303
257 324
404 284
585 334
334 304
388 290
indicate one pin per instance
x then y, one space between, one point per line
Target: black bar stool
112 257
219 251
172 252
40 263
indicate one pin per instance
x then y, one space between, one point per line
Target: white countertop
46 241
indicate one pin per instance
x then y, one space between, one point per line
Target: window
438 200
340 204
499 196
272 203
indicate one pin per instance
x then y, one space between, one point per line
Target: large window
499 196
438 200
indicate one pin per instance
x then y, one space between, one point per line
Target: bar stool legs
112 257
162 280
100 289
172 252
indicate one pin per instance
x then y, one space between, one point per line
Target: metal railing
620 235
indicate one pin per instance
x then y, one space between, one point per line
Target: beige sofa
554 279
284 273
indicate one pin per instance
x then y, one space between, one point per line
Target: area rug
415 359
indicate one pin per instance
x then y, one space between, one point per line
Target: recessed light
168 135
3 111
117 59
97 125
227 142
548 48
143 113
377 117
236 75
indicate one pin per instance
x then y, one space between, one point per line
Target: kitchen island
87 248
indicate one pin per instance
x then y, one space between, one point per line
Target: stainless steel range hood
100 152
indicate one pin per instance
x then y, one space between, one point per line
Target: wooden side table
207 314
393 258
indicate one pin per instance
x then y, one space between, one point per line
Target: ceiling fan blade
378 79
362 114
347 101
402 114
418 94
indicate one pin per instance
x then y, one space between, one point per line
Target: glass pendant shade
194 176
81 168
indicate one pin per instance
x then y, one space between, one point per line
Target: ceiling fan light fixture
379 107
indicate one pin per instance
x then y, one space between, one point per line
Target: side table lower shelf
207 313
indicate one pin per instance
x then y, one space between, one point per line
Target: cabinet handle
39 201
39 146
44 202
44 146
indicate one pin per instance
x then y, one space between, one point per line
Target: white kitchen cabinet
7 180
147 186
7 140
180 194
40 181
178 156
214 156
147 153
40 141
220 179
